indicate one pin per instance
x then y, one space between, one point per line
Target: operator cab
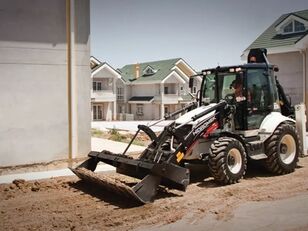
250 88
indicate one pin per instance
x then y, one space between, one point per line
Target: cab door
259 97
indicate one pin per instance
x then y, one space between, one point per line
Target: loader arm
158 164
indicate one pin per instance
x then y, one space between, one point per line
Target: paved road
288 214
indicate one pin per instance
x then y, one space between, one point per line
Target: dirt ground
66 203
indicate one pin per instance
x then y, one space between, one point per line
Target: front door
97 112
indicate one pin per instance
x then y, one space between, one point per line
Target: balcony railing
103 96
120 97
167 98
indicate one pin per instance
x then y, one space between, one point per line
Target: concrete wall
290 73
34 118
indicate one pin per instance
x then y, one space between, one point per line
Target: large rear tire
227 161
282 150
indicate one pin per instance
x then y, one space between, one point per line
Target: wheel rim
234 160
287 148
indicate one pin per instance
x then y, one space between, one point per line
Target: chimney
137 70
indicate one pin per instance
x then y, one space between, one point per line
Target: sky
205 33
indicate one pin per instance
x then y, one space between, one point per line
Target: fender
236 136
270 123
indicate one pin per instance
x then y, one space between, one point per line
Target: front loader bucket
151 175
142 192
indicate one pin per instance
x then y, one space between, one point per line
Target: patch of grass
115 135
96 132
139 142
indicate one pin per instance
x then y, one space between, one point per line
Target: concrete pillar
72 81
162 110
305 82
109 112
114 110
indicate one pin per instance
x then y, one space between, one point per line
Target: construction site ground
261 201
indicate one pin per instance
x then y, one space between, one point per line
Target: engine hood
187 117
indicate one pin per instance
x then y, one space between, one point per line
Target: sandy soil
70 204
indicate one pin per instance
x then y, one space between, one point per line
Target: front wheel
282 149
227 161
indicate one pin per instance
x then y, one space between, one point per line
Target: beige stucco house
143 91
286 41
150 90
103 92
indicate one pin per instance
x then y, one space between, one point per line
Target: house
150 90
103 93
45 81
286 41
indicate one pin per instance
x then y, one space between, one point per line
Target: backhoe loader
241 113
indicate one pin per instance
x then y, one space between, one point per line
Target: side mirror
191 82
276 69
198 96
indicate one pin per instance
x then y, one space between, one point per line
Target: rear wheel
282 149
228 161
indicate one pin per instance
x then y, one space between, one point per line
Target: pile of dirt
66 203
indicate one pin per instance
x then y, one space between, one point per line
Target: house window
294 26
181 89
148 71
120 93
139 109
97 112
166 90
97 86
298 26
288 28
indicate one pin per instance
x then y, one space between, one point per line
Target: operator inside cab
252 59
237 86
239 99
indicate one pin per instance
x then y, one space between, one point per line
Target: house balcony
167 98
103 96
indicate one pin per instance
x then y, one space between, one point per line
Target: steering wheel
230 98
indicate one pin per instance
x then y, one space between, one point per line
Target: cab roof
243 66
